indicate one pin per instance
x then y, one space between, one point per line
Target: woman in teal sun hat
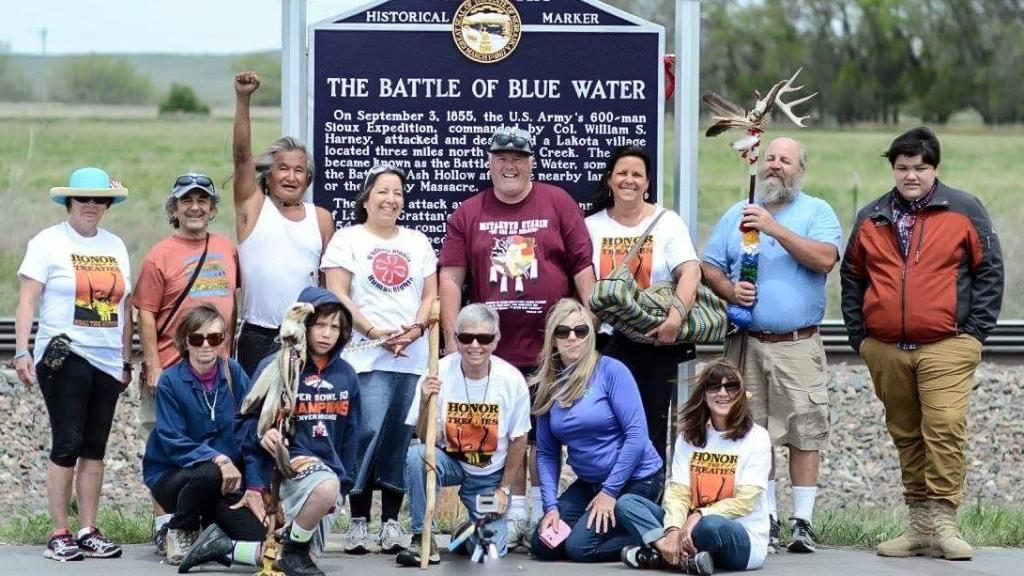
77 276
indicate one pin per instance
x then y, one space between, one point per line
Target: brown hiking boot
917 539
948 542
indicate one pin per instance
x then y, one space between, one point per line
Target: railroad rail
1006 339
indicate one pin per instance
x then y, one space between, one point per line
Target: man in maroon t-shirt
522 246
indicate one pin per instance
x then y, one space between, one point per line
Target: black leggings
193 496
81 400
390 502
254 344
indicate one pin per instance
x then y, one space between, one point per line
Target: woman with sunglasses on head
714 513
621 213
385 274
193 463
77 275
589 404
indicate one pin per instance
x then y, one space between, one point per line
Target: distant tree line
872 60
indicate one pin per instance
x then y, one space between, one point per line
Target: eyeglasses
214 338
467 338
731 388
106 201
518 142
562 331
189 179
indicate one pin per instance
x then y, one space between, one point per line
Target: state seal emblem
487 31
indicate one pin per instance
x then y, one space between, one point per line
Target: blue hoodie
326 413
184 435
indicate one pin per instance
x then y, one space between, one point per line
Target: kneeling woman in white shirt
715 513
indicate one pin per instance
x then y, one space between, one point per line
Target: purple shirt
605 432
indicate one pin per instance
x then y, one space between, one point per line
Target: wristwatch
21 354
506 491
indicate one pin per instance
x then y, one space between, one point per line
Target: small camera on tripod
487 510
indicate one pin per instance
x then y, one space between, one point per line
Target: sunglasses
93 200
562 331
731 388
468 338
214 338
518 142
189 179
380 169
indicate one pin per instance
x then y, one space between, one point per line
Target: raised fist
246 83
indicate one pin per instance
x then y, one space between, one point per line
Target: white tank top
278 260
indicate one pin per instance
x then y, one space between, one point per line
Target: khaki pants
926 393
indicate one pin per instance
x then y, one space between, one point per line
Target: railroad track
1006 340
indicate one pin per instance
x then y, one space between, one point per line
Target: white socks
773 507
536 505
161 521
803 501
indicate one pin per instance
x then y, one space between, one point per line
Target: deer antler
787 107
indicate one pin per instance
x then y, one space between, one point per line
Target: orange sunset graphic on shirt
614 250
471 431
712 477
99 288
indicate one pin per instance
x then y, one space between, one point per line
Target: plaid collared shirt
905 215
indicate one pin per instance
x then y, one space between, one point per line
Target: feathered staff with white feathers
728 115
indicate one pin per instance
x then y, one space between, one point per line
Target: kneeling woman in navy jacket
192 463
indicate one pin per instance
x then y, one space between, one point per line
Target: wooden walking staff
430 441
728 115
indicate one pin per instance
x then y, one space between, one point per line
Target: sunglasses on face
93 200
467 338
731 388
518 142
214 338
580 330
189 179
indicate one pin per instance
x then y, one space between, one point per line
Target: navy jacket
184 435
326 414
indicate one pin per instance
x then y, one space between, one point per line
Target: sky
152 26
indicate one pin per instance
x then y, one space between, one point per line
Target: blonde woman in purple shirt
590 404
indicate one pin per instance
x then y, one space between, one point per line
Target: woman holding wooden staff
482 407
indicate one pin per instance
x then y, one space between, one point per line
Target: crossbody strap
184 293
640 241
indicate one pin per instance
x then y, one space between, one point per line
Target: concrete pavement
139 560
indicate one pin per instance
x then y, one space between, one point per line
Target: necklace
476 420
211 406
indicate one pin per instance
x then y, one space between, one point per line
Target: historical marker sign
423 84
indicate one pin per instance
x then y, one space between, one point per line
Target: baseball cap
512 140
193 181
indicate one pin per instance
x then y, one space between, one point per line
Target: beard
776 190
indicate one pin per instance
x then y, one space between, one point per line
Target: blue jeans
450 473
725 540
382 436
586 545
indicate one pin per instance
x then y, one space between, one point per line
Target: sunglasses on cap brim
518 142
189 179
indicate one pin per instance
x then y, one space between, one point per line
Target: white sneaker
518 530
357 537
179 542
391 537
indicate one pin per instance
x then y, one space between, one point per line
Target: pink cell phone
552 536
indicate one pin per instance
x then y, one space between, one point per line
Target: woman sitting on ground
715 513
591 405
192 462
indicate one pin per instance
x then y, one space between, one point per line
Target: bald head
781 172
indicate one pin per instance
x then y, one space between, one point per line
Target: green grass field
844 167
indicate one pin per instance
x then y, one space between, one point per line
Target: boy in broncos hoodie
322 444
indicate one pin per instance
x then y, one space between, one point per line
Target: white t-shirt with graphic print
387 284
668 246
86 282
715 471
478 418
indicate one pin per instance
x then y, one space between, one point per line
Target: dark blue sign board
424 83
